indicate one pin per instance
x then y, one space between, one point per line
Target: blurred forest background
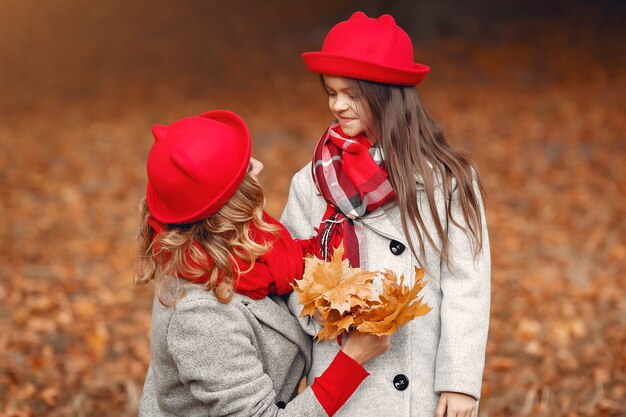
533 90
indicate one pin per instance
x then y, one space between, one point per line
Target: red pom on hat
368 49
195 166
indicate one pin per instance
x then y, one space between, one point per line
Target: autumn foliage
347 298
537 101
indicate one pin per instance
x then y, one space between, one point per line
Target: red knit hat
195 165
368 49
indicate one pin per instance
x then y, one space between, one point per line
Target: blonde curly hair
220 237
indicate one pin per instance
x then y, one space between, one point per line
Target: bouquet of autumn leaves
347 298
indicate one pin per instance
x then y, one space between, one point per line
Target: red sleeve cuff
342 377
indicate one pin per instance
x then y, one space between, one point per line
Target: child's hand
456 405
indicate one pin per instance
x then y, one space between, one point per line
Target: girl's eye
250 167
331 94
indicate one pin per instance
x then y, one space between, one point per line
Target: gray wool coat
441 351
235 359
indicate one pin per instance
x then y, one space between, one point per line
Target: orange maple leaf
346 298
399 305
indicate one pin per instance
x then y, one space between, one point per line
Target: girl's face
345 105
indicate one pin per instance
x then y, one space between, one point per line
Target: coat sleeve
297 219
213 351
297 214
466 296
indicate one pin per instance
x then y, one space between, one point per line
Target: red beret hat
368 49
195 165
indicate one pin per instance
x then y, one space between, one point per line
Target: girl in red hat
223 341
386 184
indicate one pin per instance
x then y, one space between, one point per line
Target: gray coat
442 351
236 359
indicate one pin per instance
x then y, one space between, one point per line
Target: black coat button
281 404
401 382
396 247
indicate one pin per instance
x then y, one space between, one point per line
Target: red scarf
349 177
273 272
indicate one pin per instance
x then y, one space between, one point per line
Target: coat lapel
272 311
389 223
385 223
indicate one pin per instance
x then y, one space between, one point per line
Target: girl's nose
339 104
256 167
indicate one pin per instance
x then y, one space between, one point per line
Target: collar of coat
273 312
386 220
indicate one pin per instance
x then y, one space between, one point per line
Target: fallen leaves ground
538 104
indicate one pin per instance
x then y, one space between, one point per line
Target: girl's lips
346 119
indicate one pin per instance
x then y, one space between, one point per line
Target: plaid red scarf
273 272
348 175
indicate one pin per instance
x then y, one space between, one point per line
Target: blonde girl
223 342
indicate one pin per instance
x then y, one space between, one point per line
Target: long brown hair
414 146
220 236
